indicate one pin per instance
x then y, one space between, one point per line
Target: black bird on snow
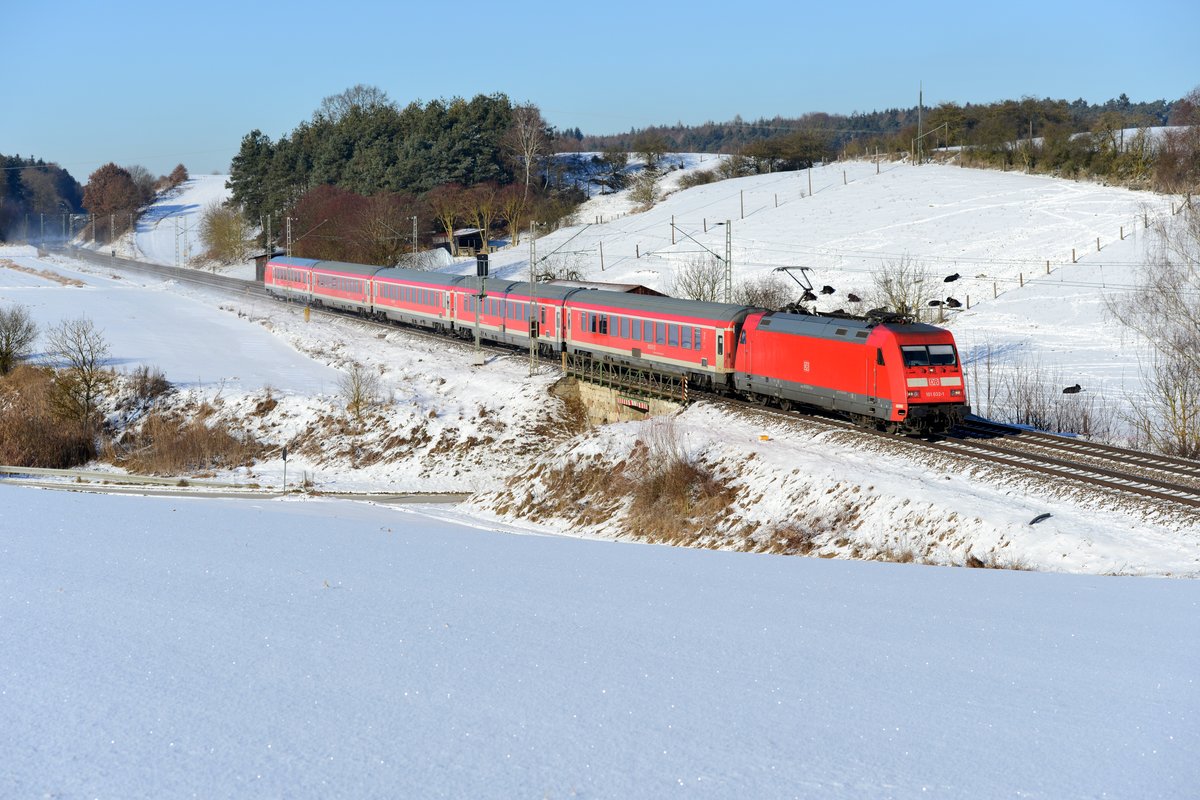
808 296
853 298
951 278
1076 389
935 303
827 290
952 303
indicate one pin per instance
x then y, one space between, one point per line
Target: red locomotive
887 372
899 375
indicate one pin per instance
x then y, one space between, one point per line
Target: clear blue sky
158 84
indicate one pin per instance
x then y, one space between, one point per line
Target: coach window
660 333
604 324
879 356
685 337
624 327
673 335
696 338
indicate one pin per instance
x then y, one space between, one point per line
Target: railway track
1084 464
1127 472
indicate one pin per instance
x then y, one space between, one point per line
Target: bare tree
612 169
18 332
359 387
360 96
702 278
483 204
902 286
224 233
651 146
447 203
512 207
527 139
1165 313
645 188
144 181
767 290
81 352
562 267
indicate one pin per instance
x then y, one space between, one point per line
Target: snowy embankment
788 489
158 647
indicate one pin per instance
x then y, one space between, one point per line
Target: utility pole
414 222
481 270
920 110
534 327
728 260
288 249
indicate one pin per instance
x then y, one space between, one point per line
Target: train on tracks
883 371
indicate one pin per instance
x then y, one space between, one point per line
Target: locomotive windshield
934 355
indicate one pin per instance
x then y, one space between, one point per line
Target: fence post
1122 233
1047 266
1072 255
1097 244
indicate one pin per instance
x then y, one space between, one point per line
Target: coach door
874 364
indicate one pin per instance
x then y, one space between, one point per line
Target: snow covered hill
997 230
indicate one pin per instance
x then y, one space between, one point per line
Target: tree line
36 197
1067 138
29 188
351 179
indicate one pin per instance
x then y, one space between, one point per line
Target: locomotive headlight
956 392
914 393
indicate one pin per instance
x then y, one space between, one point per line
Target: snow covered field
173 648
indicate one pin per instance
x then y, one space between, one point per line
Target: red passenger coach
899 376
679 337
513 311
340 284
416 297
289 278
